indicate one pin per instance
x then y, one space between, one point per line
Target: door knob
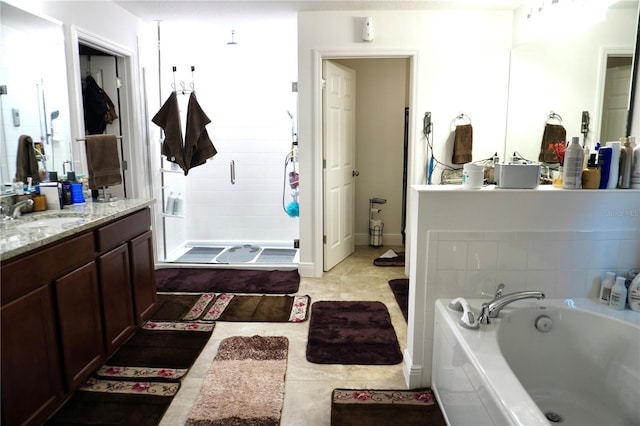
355 173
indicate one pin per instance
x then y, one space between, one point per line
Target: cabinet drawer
28 273
120 231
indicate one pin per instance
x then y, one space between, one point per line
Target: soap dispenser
591 175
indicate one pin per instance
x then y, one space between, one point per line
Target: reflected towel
552 133
103 161
168 118
462 144
26 161
197 144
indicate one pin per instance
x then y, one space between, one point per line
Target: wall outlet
3 89
15 114
296 243
427 123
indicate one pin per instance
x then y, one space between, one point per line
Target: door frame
135 152
319 56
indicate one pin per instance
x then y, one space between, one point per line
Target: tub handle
232 170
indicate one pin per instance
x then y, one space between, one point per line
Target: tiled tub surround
17 239
464 243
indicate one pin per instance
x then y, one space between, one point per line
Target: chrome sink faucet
492 308
17 208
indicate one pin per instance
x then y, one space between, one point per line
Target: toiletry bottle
635 165
626 157
618 297
605 287
178 206
591 175
171 200
614 168
585 159
572 169
604 164
634 294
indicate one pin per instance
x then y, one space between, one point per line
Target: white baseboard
412 372
387 239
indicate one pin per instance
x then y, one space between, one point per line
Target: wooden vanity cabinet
65 307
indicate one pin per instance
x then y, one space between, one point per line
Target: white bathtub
586 369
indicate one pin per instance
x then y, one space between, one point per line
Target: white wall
464 243
461 65
246 91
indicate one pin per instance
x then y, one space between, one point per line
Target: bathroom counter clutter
34 230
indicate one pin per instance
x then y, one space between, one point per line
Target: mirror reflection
34 101
570 67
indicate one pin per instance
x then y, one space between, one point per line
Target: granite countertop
33 230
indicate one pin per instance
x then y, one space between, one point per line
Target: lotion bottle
635 165
591 175
171 201
605 287
634 294
178 206
618 297
572 169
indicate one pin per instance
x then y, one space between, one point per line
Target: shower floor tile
200 255
277 255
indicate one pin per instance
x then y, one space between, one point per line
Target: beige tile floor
308 386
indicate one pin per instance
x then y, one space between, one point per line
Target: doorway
382 97
615 99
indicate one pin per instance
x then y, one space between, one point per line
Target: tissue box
524 176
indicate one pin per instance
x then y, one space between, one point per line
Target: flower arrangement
558 149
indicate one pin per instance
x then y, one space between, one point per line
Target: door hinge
324 163
324 239
118 82
324 83
125 166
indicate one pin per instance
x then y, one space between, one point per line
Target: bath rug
397 260
245 384
345 332
351 407
231 307
158 351
200 255
277 255
204 280
108 402
400 289
238 254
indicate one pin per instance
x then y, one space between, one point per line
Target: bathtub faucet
492 308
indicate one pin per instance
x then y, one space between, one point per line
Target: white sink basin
51 221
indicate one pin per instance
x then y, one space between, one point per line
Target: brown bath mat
400 289
397 260
351 407
227 280
345 332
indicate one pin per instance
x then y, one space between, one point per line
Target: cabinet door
80 323
115 287
143 276
31 369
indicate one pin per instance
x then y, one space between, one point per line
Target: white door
338 111
616 100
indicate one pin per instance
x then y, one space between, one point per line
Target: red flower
558 149
361 395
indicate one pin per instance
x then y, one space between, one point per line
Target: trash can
376 225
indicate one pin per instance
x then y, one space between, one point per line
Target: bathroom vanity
75 285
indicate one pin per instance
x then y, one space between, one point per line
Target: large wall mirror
35 99
570 65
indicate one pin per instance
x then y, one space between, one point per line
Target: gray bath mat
276 255
238 254
200 255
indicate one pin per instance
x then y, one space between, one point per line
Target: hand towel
462 144
26 161
197 144
103 161
552 133
168 118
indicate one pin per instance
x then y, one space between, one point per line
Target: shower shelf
170 171
173 215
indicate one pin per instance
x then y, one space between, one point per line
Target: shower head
55 115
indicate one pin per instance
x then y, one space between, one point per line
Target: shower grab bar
232 167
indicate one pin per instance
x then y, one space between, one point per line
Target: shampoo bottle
635 165
626 160
178 206
605 287
634 294
170 204
604 164
572 169
614 170
618 297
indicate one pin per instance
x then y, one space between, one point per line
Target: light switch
15 113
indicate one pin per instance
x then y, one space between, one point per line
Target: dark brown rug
109 402
353 407
390 261
346 332
400 289
245 384
158 351
227 280
231 307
